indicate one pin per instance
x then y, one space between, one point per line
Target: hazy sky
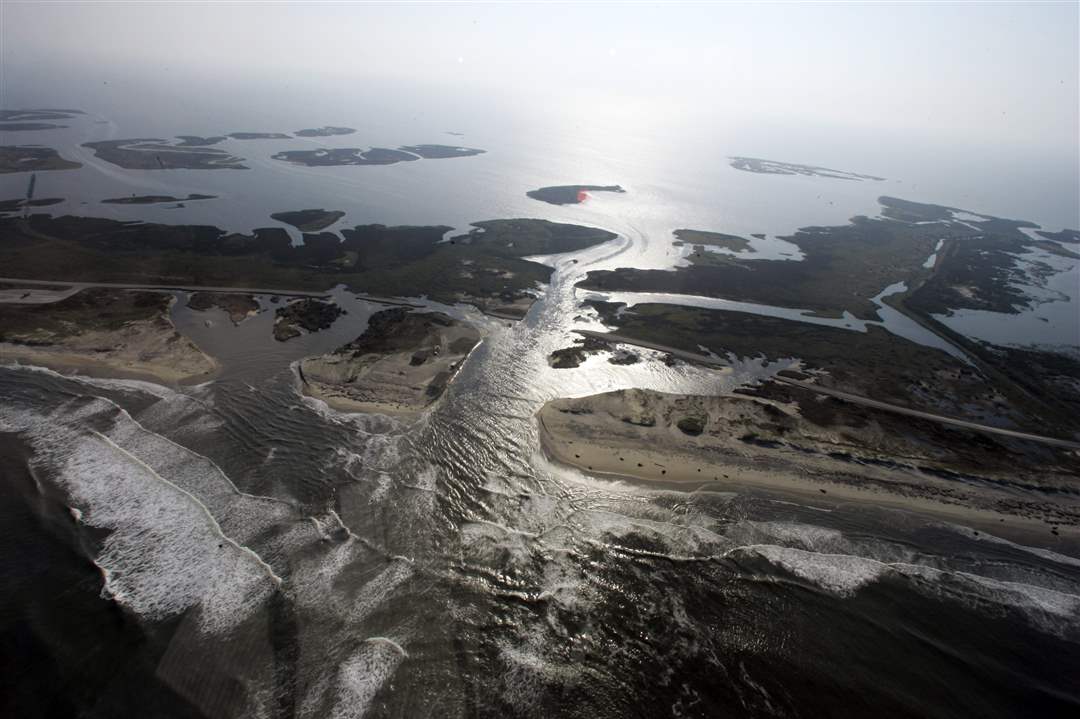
988 73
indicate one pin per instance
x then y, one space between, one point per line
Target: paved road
188 288
943 419
682 354
845 396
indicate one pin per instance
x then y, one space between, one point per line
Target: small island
28 126
238 306
324 131
400 365
569 194
374 156
572 356
155 154
309 220
16 205
772 167
32 158
155 199
1066 236
259 136
197 141
345 156
713 239
441 152
306 315
37 115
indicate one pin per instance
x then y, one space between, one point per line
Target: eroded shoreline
740 442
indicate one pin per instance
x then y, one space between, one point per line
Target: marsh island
156 154
33 158
772 167
569 194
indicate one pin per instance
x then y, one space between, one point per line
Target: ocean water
237 549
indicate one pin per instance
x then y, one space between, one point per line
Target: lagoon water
235 549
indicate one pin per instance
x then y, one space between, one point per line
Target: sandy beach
635 435
146 348
400 366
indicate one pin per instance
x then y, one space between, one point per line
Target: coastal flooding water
237 549
266 556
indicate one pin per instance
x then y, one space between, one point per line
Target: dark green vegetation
324 131
624 357
32 158
25 286
197 141
567 357
570 357
485 267
16 205
30 115
979 271
308 314
153 154
402 362
692 426
875 364
155 199
345 156
521 238
569 194
979 274
1063 236
259 136
846 266
397 329
714 239
772 167
90 309
908 211
440 152
28 126
239 306
309 220
373 156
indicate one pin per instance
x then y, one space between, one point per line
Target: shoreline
608 447
400 366
149 347
340 403
1025 530
69 363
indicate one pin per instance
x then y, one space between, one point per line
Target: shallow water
238 549
350 565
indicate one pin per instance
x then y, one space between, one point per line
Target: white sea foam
838 573
166 552
1051 610
806 536
1037 551
362 676
379 589
128 385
